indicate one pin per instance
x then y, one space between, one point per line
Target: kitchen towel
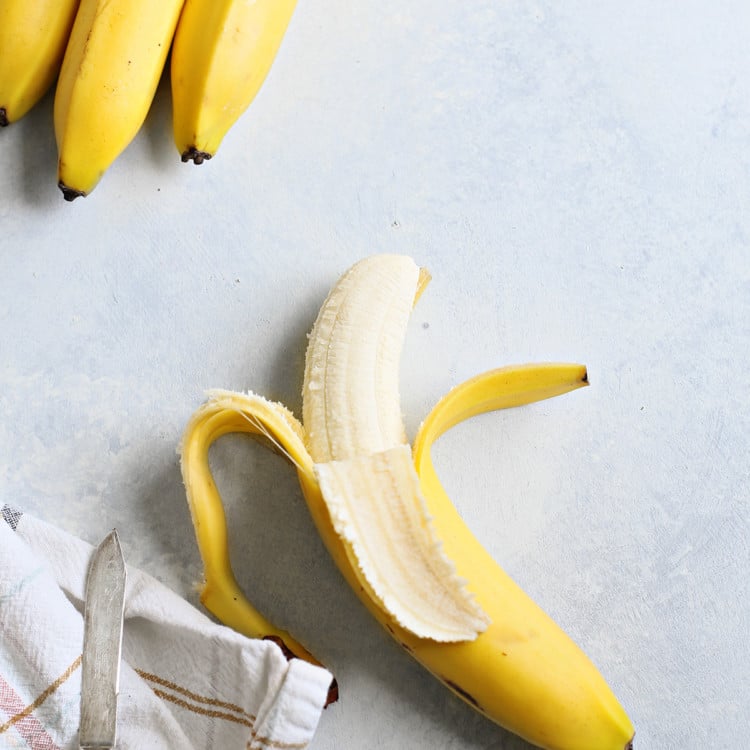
186 683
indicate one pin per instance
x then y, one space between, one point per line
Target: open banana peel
389 526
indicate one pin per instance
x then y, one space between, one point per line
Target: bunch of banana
389 526
108 57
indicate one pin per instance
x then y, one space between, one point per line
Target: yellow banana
109 75
33 36
223 50
494 647
223 413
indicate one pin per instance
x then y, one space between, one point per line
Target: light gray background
577 178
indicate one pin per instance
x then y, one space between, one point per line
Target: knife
102 645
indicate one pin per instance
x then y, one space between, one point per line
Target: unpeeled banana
223 51
109 75
391 529
33 36
110 55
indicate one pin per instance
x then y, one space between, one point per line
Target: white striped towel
186 683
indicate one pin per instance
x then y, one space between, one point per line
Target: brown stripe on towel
197 698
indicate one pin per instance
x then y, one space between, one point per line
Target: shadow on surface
39 154
157 128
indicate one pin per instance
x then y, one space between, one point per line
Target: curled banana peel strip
489 643
227 412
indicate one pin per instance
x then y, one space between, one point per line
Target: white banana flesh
352 417
351 404
377 509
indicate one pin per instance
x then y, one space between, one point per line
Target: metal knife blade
102 645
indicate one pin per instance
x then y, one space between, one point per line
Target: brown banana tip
4 121
195 155
585 379
333 690
629 746
288 653
69 193
333 693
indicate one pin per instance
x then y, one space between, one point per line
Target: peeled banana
223 51
391 529
109 76
33 36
